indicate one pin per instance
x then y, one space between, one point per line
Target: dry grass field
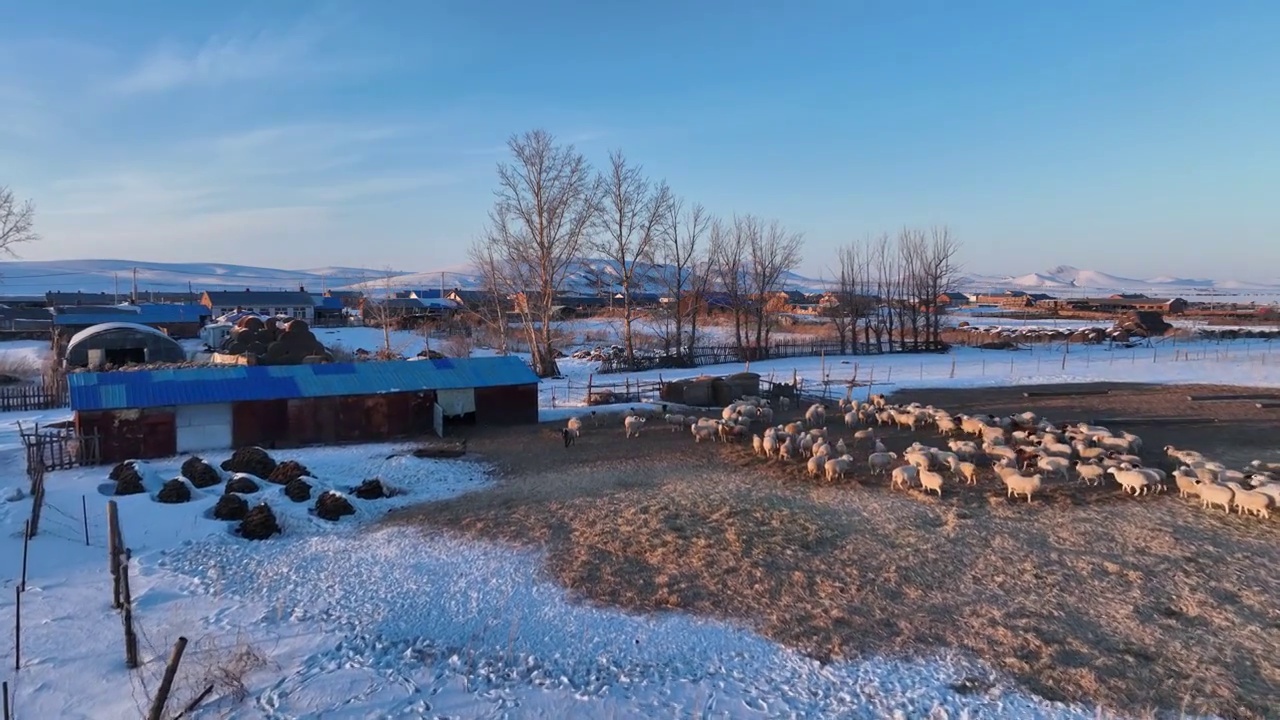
1145 605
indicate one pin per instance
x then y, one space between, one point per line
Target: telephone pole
135 286
115 299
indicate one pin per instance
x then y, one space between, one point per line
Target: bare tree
678 252
627 226
911 304
939 269
773 251
379 312
546 199
700 289
728 250
887 279
845 310
17 222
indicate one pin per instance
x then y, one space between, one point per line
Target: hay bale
252 460
174 492
288 471
332 506
371 489
119 470
200 473
128 480
297 490
231 507
259 523
241 484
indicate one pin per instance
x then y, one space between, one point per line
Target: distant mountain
588 276
38 277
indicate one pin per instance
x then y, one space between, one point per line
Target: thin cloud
223 60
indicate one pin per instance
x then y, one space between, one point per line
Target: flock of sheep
1024 450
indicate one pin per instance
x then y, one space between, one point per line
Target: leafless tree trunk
627 226
678 251
773 252
703 275
17 222
940 269
377 311
888 276
544 205
493 312
850 302
911 254
729 247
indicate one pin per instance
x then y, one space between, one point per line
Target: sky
1137 138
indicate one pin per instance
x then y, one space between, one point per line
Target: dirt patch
1085 595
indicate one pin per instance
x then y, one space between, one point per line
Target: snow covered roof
112 326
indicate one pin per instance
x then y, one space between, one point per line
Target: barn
121 343
159 413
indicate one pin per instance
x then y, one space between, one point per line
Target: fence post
130 638
113 552
5 685
17 629
590 378
166 683
84 514
26 539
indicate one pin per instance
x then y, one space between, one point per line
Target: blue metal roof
144 314
236 383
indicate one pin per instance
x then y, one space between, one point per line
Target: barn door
456 403
438 419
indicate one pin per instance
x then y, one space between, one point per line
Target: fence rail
724 354
45 396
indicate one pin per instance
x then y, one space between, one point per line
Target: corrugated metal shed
195 386
146 313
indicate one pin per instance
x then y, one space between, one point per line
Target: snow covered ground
356 620
353 621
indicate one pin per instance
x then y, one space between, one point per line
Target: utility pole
135 286
115 299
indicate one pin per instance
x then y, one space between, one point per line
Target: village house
1168 306
952 299
299 305
176 321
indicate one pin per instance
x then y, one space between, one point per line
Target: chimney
301 289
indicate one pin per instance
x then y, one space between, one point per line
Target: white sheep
862 435
757 445
1213 494
575 426
904 476
677 422
632 424
788 450
1090 473
1252 501
707 432
970 472
1019 484
816 464
879 462
1131 480
836 468
880 446
1188 484
770 445
930 480
1055 466
816 415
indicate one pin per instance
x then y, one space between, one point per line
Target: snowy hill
36 277
588 276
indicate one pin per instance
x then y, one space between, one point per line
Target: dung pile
241 484
231 507
297 490
259 523
275 343
200 473
332 506
174 492
128 479
252 460
287 471
371 490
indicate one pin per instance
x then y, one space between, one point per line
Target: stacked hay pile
275 343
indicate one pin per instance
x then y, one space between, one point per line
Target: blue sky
1139 138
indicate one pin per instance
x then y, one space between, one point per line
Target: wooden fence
45 396
725 354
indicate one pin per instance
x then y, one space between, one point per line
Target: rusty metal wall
131 434
507 405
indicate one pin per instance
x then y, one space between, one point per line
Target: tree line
552 208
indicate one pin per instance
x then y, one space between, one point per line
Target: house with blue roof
159 413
